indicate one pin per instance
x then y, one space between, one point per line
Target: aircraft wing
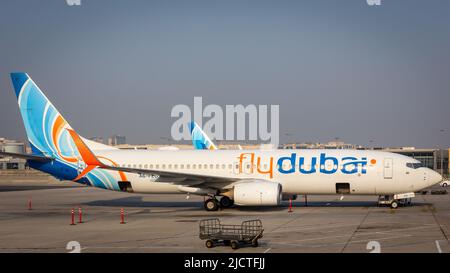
184 179
27 156
175 177
178 178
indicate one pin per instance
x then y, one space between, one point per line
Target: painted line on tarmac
136 247
315 227
438 246
300 216
356 230
365 234
433 213
396 230
339 243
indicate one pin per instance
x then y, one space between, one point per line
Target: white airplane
227 177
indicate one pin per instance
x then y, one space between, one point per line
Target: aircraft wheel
211 205
394 204
234 244
226 202
209 244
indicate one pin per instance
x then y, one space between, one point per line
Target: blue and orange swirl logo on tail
48 134
44 125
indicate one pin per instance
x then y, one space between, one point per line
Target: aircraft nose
434 177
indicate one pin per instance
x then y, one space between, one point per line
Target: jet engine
257 193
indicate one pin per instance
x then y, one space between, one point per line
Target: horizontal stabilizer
27 156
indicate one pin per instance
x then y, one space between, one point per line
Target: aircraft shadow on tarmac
136 201
187 205
330 204
362 204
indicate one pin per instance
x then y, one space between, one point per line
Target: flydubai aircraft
227 177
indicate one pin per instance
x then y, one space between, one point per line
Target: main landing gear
212 204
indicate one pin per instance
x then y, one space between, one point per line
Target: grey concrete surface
169 223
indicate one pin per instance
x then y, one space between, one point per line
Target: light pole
371 144
442 156
288 140
336 140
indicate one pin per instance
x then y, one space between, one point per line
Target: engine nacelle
257 193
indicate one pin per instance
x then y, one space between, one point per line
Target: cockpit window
414 165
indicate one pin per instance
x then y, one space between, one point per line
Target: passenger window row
225 166
178 166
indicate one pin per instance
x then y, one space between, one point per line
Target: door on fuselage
388 168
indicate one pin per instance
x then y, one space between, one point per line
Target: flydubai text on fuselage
248 177
287 164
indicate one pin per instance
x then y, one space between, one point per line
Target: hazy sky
336 68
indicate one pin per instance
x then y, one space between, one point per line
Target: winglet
88 156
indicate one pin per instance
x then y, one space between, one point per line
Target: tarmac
170 223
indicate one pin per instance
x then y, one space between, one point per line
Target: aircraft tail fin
46 128
200 140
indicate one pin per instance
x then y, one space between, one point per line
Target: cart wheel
234 244
226 242
394 204
211 205
255 243
209 244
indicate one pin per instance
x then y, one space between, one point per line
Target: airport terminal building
12 146
436 159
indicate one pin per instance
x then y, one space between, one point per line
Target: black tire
234 244
226 202
394 204
209 243
226 242
444 185
211 205
255 243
